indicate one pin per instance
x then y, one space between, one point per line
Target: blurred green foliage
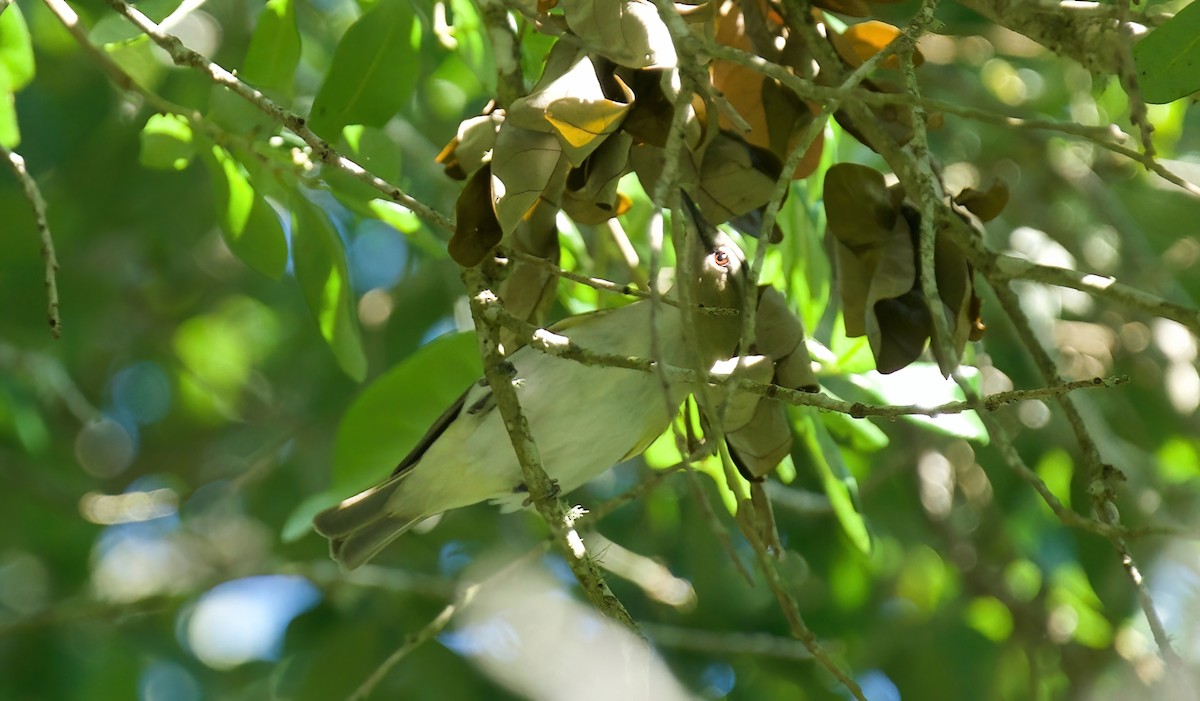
162 459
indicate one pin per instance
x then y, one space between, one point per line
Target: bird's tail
361 526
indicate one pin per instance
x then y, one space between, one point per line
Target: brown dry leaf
986 204
787 117
738 408
858 206
472 145
896 120
735 178
649 119
591 195
775 115
476 230
897 319
764 442
626 32
877 272
527 167
863 40
544 6
573 101
741 85
647 161
779 333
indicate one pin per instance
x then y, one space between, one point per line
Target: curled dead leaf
985 204
472 146
476 230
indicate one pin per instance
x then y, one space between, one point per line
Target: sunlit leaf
471 43
16 49
1071 587
10 132
167 142
1168 59
372 149
250 226
825 457
571 101
392 414
627 32
373 72
863 40
320 264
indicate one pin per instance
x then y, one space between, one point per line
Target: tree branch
542 490
34 196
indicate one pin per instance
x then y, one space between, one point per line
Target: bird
584 418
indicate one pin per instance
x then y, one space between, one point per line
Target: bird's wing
434 432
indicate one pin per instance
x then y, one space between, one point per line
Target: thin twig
414 641
726 643
1101 476
1004 268
33 194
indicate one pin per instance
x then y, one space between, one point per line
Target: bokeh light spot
376 257
167 681
104 448
246 619
142 391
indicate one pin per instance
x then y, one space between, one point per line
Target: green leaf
299 522
840 485
372 149
472 45
270 66
373 71
922 384
10 133
1168 59
16 50
250 226
167 142
320 264
274 51
391 415
859 434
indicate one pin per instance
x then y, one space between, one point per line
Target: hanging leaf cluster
875 232
605 104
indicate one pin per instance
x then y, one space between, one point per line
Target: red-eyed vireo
584 418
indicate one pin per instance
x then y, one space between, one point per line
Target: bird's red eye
721 258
